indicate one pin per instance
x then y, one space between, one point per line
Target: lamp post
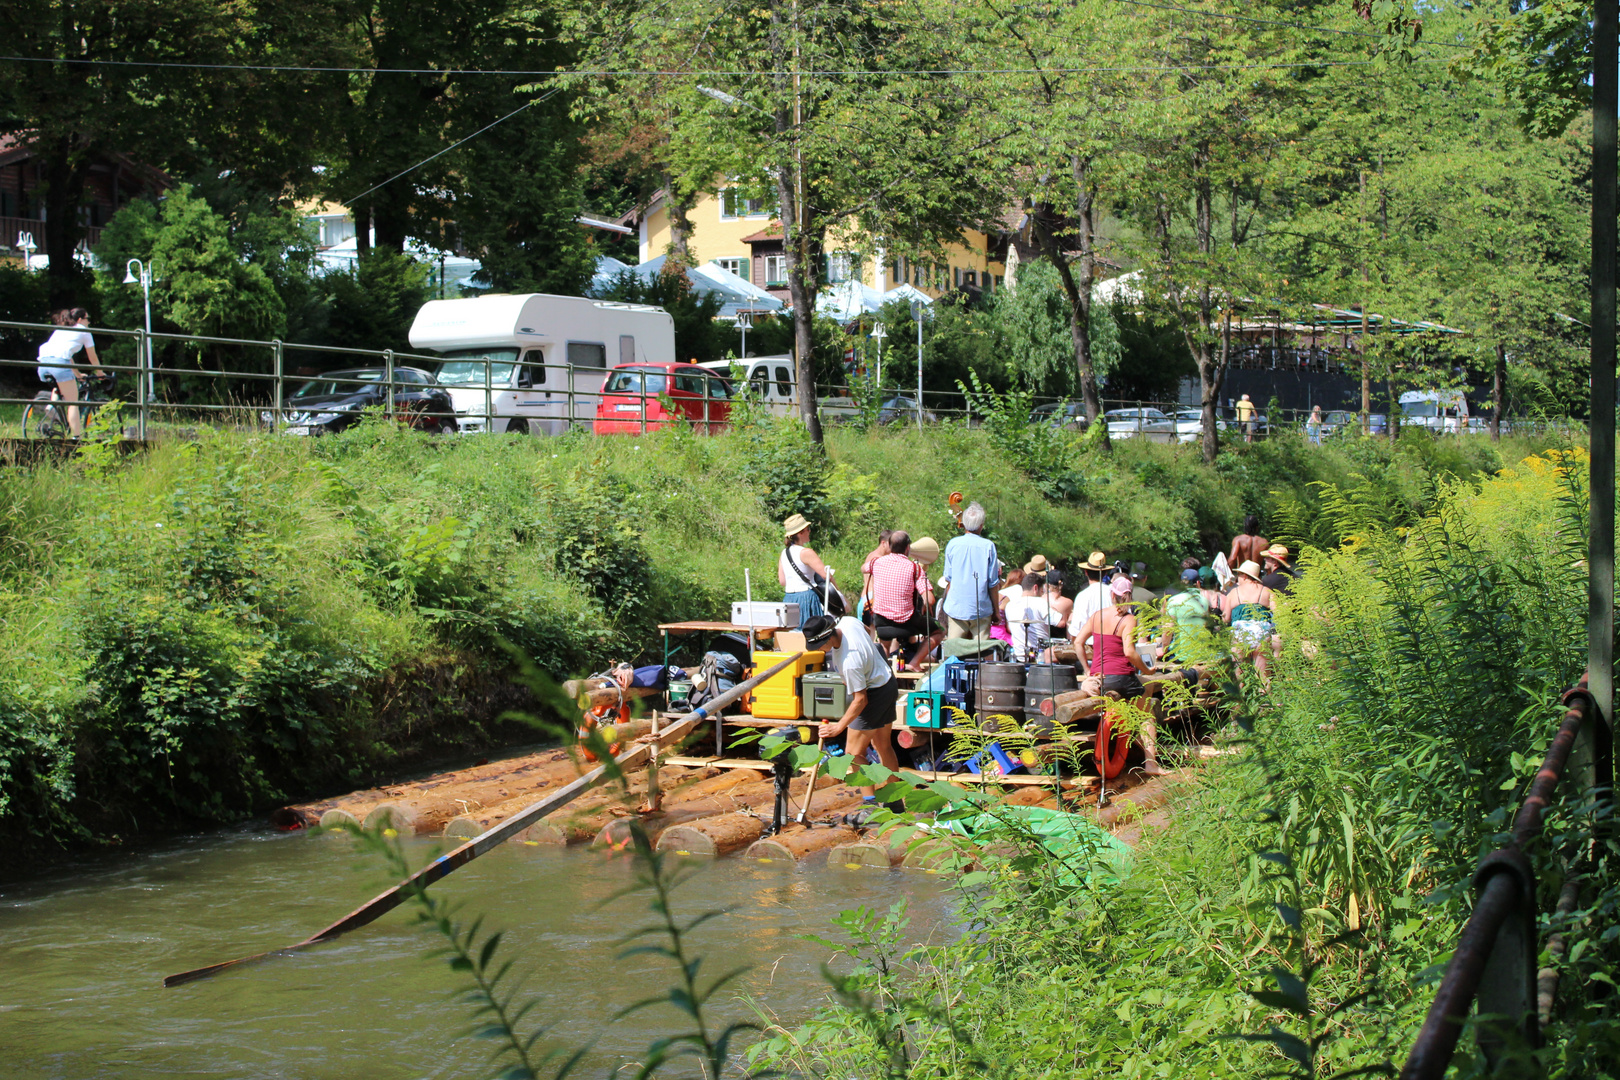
745 319
144 280
877 335
916 310
25 242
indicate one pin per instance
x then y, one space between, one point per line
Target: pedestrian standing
1313 426
1245 416
1248 545
801 570
971 579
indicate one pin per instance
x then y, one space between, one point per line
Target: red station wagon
681 386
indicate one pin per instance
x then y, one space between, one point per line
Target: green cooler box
824 695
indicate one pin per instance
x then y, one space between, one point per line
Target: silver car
1190 424
1145 420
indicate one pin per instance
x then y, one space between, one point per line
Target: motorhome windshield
1419 408
465 367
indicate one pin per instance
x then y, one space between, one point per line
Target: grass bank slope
210 627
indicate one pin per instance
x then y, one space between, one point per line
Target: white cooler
765 615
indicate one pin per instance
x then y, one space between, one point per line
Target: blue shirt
970 568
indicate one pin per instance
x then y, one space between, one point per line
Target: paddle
446 864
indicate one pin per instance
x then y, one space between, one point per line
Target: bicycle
46 416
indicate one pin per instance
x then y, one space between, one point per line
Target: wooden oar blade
389 899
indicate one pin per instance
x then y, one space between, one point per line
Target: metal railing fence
255 390
1496 956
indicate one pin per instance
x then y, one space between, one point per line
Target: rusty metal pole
1600 549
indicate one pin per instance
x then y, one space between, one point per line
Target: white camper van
542 353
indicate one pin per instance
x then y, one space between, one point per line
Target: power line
452 146
741 73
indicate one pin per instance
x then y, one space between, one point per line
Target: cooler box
994 761
778 698
764 614
824 695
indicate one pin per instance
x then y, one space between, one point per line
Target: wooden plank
699 625
721 763
690 761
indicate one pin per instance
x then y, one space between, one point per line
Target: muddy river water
83 952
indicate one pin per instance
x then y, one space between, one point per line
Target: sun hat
817 629
925 550
1097 561
1190 575
794 525
1275 551
1121 585
1250 568
1036 565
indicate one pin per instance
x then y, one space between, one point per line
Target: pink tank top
1111 658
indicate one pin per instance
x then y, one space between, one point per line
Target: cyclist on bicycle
56 359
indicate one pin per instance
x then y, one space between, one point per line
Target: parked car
1340 420
1190 424
334 401
645 397
902 409
1144 420
1070 415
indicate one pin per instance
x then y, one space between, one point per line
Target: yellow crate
777 698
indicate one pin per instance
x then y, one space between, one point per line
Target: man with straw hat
1094 597
1278 576
801 570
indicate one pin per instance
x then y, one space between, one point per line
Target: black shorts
880 703
916 626
1126 686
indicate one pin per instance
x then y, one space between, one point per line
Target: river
83 952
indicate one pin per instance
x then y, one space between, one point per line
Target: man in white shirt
1094 597
873 691
1026 618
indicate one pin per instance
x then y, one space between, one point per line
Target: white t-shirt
1022 611
63 344
857 659
1092 599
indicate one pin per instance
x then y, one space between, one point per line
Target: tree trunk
362 231
680 224
1078 293
713 836
64 172
1498 391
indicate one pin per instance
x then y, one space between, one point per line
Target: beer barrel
1000 690
1046 681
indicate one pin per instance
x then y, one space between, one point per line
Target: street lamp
877 335
916 310
745 319
25 241
144 280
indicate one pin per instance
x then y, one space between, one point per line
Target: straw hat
794 525
1036 565
925 550
1097 561
1250 569
1275 551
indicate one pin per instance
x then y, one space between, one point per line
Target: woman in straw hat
797 566
1250 609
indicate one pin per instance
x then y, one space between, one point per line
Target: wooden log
400 817
463 827
615 835
610 695
541 834
934 856
794 843
334 818
866 853
713 836
1080 710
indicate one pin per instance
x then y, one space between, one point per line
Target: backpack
719 672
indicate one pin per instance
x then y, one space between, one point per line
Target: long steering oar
445 864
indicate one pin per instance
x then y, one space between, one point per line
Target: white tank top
795 580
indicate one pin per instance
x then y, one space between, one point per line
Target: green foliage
594 541
373 302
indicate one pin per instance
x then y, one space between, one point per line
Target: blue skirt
809 602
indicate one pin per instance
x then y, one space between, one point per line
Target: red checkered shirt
896 582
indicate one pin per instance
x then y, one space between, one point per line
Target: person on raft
872 690
1111 633
798 568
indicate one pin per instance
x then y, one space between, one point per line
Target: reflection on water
83 955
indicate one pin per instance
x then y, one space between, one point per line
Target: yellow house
743 235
